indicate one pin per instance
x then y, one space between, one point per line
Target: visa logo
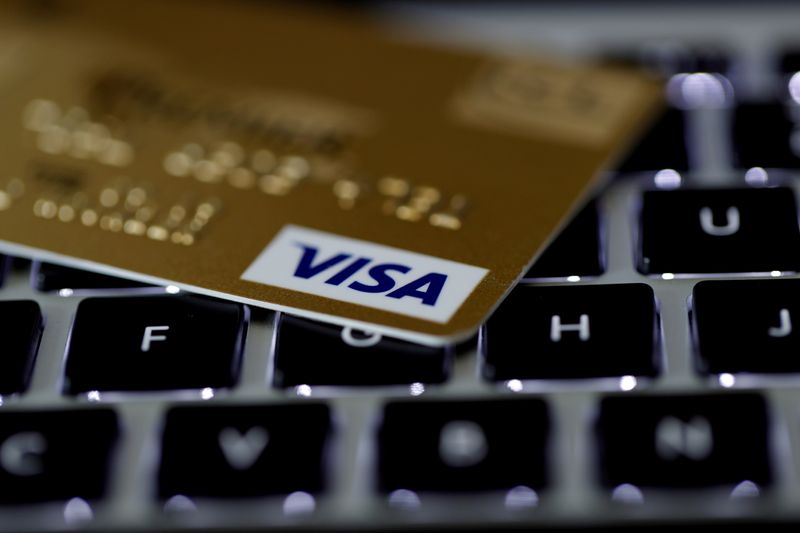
427 287
365 273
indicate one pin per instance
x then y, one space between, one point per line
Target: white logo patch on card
365 273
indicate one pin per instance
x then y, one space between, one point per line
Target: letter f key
148 336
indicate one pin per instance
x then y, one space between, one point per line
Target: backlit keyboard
644 372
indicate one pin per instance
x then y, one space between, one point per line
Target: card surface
295 160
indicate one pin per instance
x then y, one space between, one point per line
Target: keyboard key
463 446
21 326
55 455
747 326
313 353
790 68
576 251
154 343
764 136
573 332
662 146
244 450
669 58
5 267
18 264
48 277
683 441
790 61
704 231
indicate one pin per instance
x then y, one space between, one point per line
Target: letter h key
582 327
564 332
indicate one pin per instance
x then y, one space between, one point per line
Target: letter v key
243 450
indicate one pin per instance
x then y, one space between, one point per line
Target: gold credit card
295 160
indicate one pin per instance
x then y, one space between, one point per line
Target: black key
747 326
55 455
719 230
576 251
573 332
5 266
48 277
683 441
313 353
662 146
790 67
154 343
763 135
790 61
463 446
19 263
670 58
21 326
711 58
244 450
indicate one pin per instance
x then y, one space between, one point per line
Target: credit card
301 161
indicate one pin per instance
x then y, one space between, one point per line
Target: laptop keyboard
622 382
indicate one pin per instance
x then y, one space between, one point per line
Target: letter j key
747 325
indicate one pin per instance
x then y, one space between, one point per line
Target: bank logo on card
365 273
